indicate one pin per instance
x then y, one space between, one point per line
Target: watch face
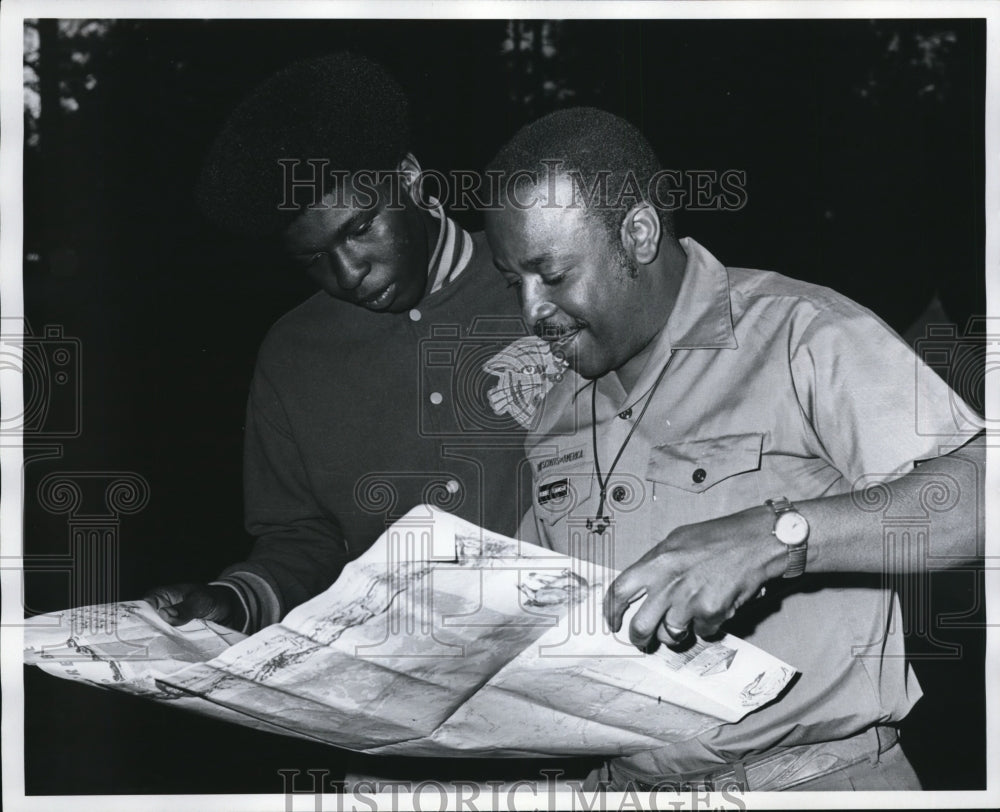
791 528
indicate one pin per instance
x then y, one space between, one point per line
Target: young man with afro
369 397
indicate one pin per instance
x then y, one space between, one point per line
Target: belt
774 770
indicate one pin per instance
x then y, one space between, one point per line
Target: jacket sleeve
299 549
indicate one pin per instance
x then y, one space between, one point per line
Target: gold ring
676 632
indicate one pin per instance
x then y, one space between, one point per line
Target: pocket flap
697 465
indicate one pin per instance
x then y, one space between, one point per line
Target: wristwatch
792 530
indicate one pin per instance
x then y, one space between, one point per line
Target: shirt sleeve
298 550
874 406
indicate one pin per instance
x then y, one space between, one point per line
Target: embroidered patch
557 489
569 456
526 370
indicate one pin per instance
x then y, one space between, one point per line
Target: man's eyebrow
352 222
344 228
540 261
535 263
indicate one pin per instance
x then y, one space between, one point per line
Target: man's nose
535 306
348 268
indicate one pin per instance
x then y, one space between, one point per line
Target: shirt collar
701 319
452 252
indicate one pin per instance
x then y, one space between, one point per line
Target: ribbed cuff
240 597
257 598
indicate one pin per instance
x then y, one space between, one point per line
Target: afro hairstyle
343 112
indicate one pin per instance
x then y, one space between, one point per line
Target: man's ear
410 176
641 233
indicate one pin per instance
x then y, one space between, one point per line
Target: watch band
779 505
795 563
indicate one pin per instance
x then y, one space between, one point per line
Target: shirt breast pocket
708 477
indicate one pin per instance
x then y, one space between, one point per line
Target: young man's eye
307 261
553 280
513 283
363 228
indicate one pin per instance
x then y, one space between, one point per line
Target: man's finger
674 635
157 598
198 604
707 627
166 600
186 610
676 631
648 618
621 594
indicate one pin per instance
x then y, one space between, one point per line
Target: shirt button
415 315
626 414
698 475
452 486
619 493
437 398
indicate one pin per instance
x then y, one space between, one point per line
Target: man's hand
179 603
699 575
702 573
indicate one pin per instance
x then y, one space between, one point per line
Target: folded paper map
442 639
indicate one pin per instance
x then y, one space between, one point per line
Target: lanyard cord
603 482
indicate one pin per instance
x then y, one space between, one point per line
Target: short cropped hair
341 109
593 145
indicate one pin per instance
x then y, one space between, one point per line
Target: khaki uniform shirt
776 388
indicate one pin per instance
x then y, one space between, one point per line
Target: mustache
552 331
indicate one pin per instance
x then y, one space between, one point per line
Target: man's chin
591 374
398 302
588 368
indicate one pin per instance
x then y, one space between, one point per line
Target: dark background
863 147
